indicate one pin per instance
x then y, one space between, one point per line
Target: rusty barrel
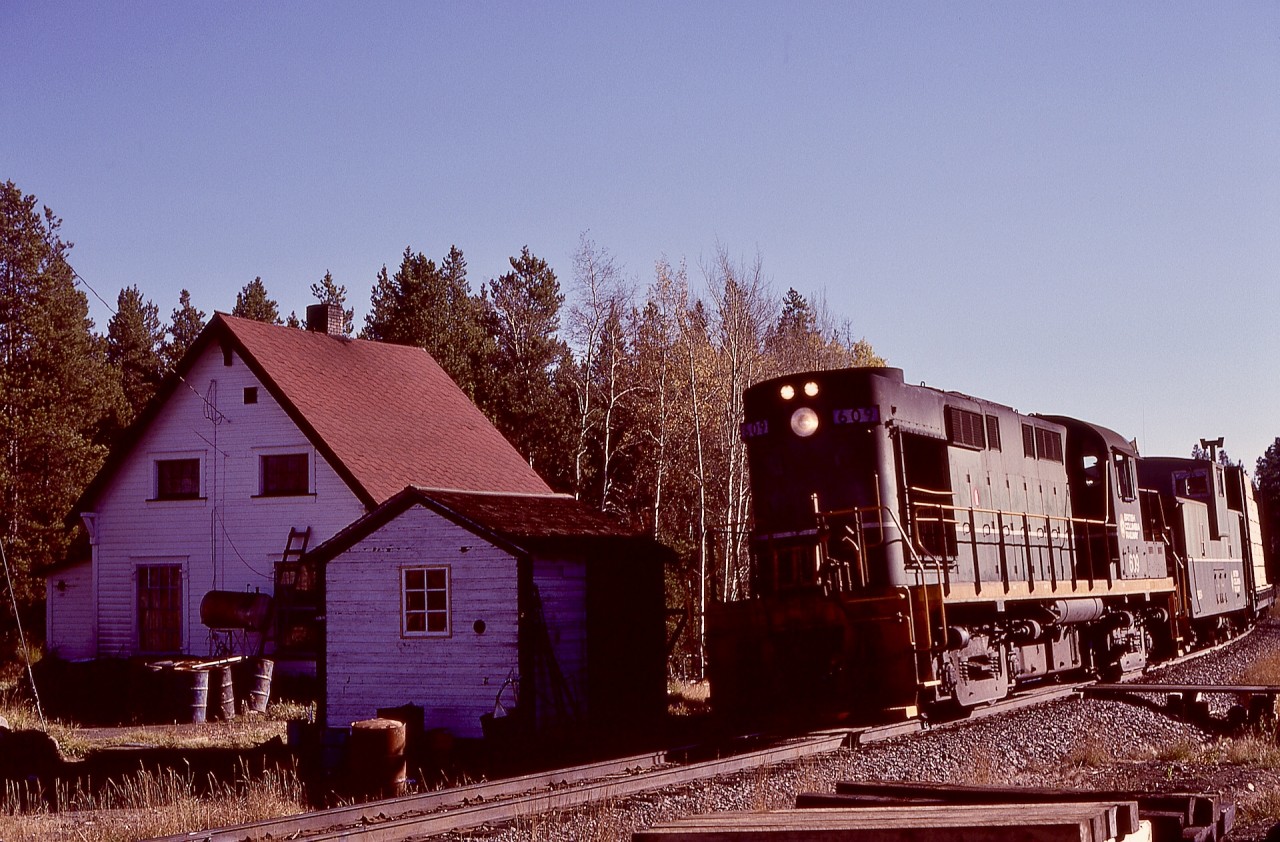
256 684
192 695
377 758
222 694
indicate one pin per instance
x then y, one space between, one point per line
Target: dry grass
147 805
1261 807
1264 670
1089 751
150 804
985 768
688 698
74 741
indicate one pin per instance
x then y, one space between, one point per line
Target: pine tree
56 390
1267 483
431 307
134 341
252 302
185 325
522 317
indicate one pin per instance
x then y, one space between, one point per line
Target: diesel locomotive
915 550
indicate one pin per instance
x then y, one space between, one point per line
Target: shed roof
384 416
519 522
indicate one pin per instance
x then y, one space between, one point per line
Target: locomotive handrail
1058 532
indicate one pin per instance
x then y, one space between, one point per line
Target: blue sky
1069 208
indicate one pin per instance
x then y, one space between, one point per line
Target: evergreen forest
623 392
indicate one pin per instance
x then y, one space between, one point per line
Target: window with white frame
425 601
284 474
177 479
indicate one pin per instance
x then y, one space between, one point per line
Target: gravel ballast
1078 743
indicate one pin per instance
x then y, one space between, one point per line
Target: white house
262 430
464 603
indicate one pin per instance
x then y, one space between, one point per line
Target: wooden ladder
297 544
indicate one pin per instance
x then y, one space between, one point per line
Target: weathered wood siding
69 615
229 538
370 663
562 585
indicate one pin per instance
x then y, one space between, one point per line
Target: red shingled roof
388 413
384 416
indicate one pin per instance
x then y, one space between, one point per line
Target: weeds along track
421 816
460 808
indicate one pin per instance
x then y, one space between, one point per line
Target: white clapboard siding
370 664
563 588
227 540
69 615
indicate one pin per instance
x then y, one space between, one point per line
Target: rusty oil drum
377 758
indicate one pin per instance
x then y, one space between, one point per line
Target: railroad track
462 808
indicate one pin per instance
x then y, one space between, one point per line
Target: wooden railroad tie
913 812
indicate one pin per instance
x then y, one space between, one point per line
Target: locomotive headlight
811 389
804 422
788 392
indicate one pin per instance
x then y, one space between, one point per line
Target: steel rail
502 801
402 830
429 814
371 811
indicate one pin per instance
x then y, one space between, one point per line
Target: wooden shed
471 604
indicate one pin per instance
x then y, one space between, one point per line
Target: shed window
965 428
177 479
425 599
285 474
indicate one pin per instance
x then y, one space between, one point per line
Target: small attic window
250 394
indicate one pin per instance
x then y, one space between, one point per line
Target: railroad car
918 549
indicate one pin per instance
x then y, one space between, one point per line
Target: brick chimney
326 318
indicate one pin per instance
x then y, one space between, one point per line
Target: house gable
262 429
373 660
162 552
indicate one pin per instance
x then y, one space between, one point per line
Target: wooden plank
1194 805
1226 819
1127 813
946 823
1200 803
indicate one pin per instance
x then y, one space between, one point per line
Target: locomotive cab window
1192 484
1126 484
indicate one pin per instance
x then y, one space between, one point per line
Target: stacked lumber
1076 822
915 812
1172 815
